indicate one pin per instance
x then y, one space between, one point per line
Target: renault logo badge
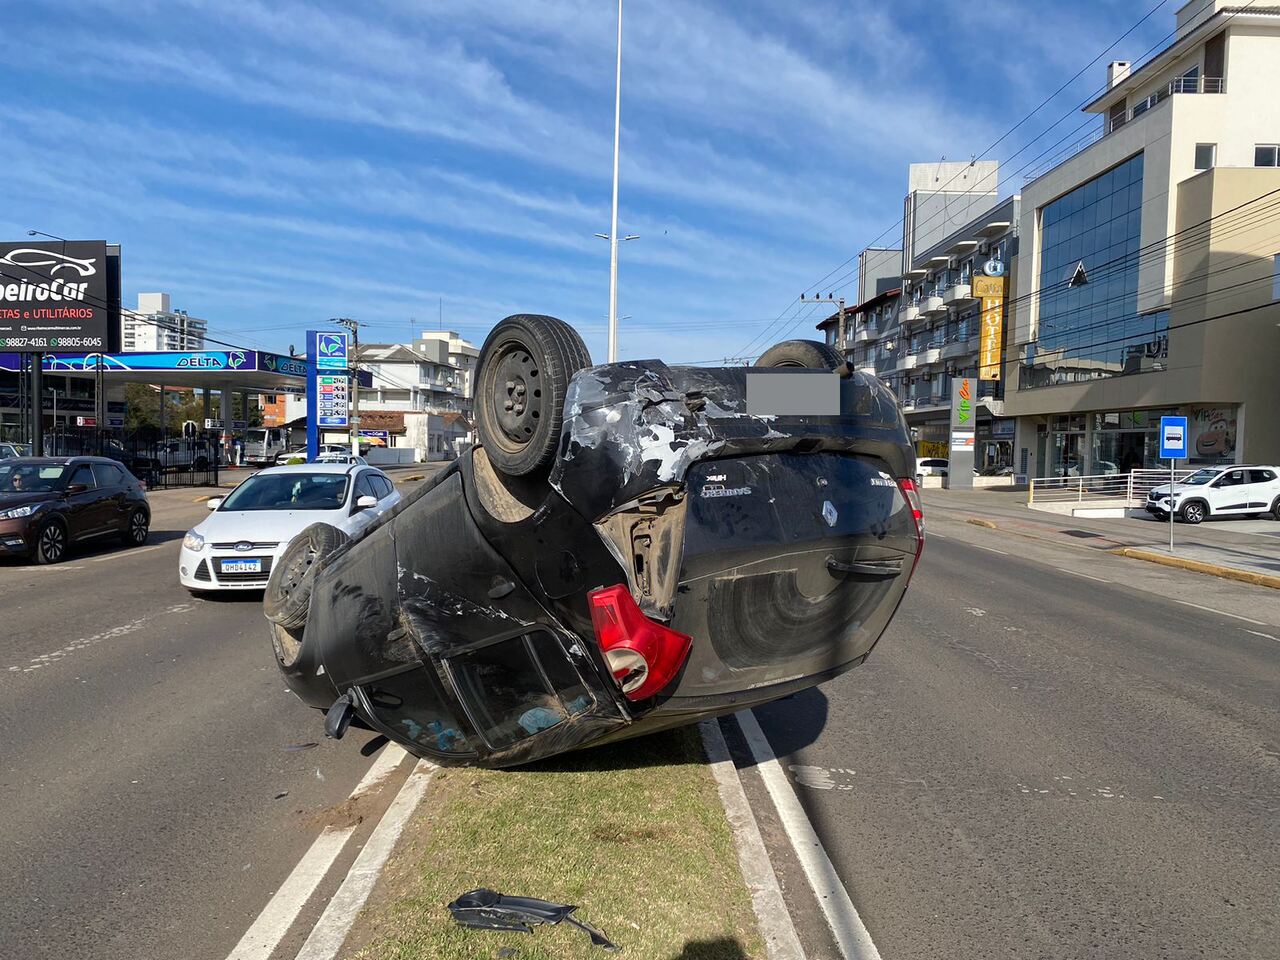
829 513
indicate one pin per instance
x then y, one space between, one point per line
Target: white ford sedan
248 530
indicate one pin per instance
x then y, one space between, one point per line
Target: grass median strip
633 833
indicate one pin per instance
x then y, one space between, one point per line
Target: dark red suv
49 503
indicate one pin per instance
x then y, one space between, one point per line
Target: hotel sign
990 291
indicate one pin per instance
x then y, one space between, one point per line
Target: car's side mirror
215 503
77 488
365 502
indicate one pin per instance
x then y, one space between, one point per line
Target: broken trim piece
483 909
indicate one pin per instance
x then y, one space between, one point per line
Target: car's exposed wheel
812 354
524 371
136 529
1275 509
200 465
51 542
1193 511
288 594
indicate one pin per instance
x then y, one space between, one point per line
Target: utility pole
354 365
830 298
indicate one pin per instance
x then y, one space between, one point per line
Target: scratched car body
682 558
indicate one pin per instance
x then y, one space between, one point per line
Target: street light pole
613 231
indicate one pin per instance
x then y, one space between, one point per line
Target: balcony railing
1112 124
1176 85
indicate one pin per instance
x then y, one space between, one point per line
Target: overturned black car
629 547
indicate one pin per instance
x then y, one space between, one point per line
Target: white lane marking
331 931
1221 613
262 938
989 549
48 659
128 553
931 534
772 915
1087 576
846 926
1264 635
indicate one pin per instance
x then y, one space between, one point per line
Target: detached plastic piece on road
488 910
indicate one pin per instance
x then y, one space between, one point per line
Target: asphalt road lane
1034 764
146 748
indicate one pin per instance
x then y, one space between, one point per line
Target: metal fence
158 461
1108 489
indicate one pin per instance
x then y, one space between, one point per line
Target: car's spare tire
524 371
812 354
288 594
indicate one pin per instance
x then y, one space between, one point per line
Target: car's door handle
874 569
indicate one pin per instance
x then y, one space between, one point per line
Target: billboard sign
53 296
990 291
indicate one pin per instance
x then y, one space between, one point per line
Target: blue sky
273 164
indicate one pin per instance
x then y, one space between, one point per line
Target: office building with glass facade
1147 275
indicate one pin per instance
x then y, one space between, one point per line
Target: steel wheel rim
52 541
296 572
516 394
138 527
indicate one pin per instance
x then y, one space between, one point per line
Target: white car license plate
241 566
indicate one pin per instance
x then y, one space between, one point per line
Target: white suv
1220 491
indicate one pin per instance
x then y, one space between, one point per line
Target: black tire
288 595
136 528
51 543
1193 512
811 354
200 465
524 370
1275 509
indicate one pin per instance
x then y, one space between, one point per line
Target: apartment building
155 325
927 330
1148 279
433 374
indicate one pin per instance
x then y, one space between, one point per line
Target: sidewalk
1236 548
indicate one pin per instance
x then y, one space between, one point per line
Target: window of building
1266 155
1206 155
1093 330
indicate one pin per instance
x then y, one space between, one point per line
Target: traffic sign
1173 438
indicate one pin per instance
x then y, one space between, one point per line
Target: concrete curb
1199 566
776 927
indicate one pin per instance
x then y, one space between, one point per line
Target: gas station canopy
251 370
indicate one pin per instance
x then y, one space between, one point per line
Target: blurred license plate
241 566
800 393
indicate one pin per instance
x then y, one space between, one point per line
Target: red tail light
643 656
912 496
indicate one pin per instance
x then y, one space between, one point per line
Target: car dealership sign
53 296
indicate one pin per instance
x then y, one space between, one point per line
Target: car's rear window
289 491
